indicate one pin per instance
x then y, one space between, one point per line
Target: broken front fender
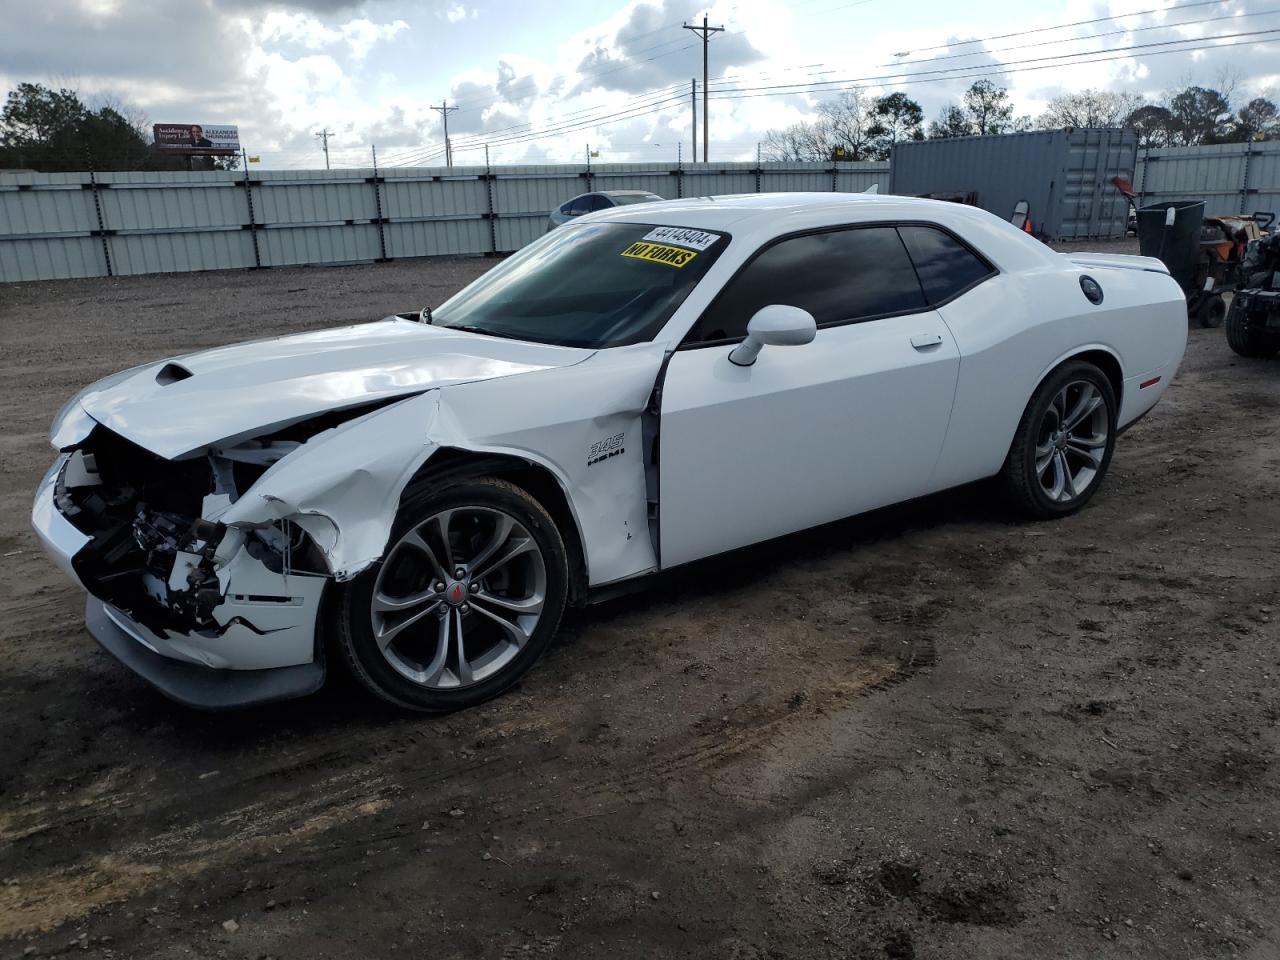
343 486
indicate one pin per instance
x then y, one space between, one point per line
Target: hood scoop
171 373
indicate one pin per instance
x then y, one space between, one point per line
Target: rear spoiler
1117 261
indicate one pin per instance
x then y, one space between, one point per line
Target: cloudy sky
541 81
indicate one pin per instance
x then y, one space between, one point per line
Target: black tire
1212 311
1019 477
1247 342
355 628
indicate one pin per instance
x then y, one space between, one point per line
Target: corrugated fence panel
45 226
51 259
1228 177
63 225
170 222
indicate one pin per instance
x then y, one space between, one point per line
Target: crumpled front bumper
265 648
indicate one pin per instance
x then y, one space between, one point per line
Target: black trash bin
1177 246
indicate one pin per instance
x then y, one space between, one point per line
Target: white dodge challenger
420 497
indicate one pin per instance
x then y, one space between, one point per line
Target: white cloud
456 13
283 68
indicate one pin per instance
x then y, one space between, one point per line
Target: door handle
923 341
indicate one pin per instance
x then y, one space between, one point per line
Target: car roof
626 193
761 216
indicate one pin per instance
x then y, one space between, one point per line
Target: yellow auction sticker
659 253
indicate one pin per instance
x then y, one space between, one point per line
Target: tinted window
839 277
579 205
599 203
945 265
583 285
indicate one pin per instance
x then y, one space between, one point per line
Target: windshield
587 285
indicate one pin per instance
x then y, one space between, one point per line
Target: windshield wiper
465 328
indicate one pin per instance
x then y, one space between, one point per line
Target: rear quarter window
946 267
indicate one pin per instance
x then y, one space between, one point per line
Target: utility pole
324 136
444 110
705 32
693 107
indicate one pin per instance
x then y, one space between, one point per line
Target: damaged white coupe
420 497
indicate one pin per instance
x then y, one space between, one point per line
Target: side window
578 206
599 203
839 276
945 265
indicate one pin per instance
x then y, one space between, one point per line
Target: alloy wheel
1072 441
458 597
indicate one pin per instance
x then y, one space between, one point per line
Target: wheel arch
1102 357
450 465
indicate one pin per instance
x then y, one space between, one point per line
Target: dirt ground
927 733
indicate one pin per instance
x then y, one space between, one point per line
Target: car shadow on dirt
105 690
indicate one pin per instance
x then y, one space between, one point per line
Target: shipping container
1063 175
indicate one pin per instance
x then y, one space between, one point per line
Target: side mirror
776 325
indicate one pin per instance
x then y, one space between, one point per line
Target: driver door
808 434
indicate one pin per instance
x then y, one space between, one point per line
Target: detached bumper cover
192 684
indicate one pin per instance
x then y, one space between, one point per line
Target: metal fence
1229 177
55 226
59 225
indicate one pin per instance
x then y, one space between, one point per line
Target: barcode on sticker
682 237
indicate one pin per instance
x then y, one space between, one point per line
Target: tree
1258 119
54 130
794 143
897 117
951 122
1154 125
843 123
1200 115
988 108
1089 108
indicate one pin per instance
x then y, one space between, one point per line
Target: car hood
176 407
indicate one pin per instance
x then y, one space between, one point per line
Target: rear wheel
1246 340
465 600
1063 445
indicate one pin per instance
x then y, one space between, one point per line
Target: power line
1064 26
571 115
1093 36
895 78
955 73
588 116
1123 53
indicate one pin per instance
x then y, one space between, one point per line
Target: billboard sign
196 139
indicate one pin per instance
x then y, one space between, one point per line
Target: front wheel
465 600
1063 444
